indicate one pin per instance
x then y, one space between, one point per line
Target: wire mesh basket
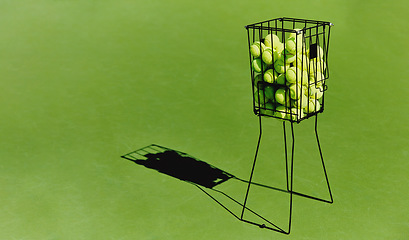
289 67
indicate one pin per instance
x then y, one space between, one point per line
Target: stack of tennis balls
287 83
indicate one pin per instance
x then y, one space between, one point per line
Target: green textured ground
84 82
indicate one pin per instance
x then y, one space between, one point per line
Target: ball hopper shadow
206 177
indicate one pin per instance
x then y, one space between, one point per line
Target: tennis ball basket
289 67
289 73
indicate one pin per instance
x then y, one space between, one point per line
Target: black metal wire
322 158
252 169
292 178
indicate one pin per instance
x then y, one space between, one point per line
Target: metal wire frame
312 31
289 160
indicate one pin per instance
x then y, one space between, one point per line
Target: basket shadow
203 175
178 165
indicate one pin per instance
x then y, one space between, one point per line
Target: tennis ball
281 96
281 112
297 76
258 65
316 92
293 74
296 91
275 44
301 102
257 48
290 45
320 52
296 114
304 79
317 65
296 33
270 55
279 47
312 106
269 93
271 40
301 62
267 56
269 109
270 76
281 79
317 78
294 43
280 66
289 57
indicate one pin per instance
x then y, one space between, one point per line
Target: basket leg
322 159
289 174
252 169
289 171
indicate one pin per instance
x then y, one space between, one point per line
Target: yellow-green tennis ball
296 33
301 102
296 91
316 92
277 54
269 93
289 57
268 109
279 47
259 65
293 74
305 89
288 102
294 45
280 66
290 45
296 114
281 96
312 106
271 40
281 79
320 52
301 62
317 65
257 48
304 78
270 55
267 56
317 78
297 36
317 105
281 112
270 76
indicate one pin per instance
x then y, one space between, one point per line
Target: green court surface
85 82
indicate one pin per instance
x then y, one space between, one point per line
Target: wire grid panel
289 67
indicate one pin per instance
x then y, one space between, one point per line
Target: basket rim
317 22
